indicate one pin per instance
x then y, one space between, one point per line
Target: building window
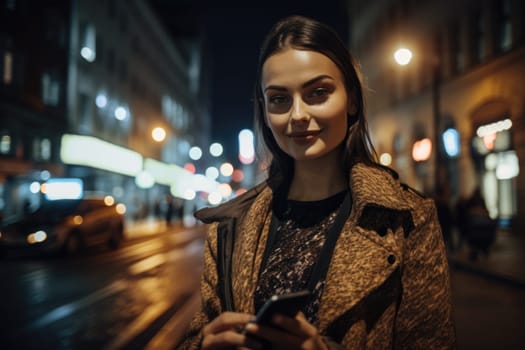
88 49
8 68
42 149
84 114
45 149
479 38
5 143
175 113
504 26
50 90
457 50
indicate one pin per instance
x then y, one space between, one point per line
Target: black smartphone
286 304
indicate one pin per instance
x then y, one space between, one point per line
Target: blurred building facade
465 79
105 69
34 44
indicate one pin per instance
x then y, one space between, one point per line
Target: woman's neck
316 179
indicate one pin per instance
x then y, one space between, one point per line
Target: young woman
329 219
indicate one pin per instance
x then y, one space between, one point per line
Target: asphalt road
102 299
142 296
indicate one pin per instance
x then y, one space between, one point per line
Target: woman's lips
303 137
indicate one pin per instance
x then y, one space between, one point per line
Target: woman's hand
224 332
296 333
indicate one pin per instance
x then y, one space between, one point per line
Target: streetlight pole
403 56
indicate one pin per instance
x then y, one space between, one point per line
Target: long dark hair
307 34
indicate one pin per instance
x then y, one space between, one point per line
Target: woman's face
306 103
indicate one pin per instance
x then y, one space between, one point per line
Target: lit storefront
497 166
127 175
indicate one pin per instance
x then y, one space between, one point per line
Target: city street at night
102 299
296 125
143 295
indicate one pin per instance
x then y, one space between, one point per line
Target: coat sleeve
210 303
424 318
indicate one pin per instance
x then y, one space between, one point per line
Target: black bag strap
225 243
321 266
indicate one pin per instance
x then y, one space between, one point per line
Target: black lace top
299 238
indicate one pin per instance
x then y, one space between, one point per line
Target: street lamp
158 134
403 56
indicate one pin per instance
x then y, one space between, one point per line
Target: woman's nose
299 112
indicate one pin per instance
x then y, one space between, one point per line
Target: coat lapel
249 248
358 267
368 254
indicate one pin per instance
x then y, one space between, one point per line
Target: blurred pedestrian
169 209
461 220
157 209
481 228
179 209
329 219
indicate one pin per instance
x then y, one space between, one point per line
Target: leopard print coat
387 286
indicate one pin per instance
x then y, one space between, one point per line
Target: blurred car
65 225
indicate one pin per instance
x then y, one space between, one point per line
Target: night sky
233 35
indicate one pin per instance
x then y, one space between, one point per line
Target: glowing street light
422 149
226 169
120 113
101 100
246 146
87 54
158 134
451 142
212 173
385 159
195 153
214 198
144 180
216 149
403 56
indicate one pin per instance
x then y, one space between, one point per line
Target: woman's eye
318 95
278 99
319 92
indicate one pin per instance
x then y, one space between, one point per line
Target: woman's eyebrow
316 79
275 87
306 84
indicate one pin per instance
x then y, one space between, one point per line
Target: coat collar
374 185
379 201
231 209
366 182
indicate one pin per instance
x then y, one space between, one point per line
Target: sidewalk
144 227
505 262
